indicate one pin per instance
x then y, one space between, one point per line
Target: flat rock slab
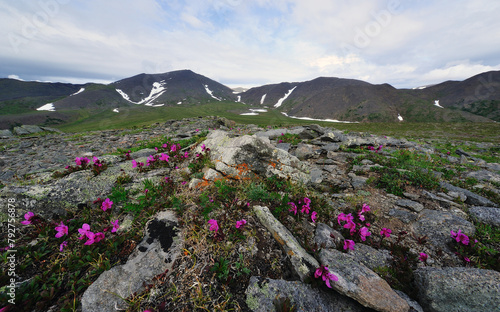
413 205
472 198
436 225
458 289
360 283
303 263
261 293
154 255
488 215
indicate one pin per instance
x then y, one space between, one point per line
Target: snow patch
280 101
157 90
436 103
210 92
315 119
239 98
262 99
179 103
400 118
254 112
250 114
47 107
116 110
79 91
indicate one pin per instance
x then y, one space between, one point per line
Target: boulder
488 215
484 175
360 283
153 256
262 292
413 205
458 289
472 198
4 134
323 236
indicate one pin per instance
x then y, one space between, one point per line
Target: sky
406 43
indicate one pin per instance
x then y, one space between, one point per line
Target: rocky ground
164 257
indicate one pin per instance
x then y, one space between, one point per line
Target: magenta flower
240 223
323 272
173 148
115 226
213 225
365 208
106 204
98 237
363 232
351 226
293 208
28 217
307 201
360 216
460 237
349 244
83 231
164 145
423 257
134 163
164 157
386 232
90 238
61 230
305 209
344 217
466 259
186 154
314 216
64 244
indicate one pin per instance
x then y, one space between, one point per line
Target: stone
357 181
458 289
303 263
153 256
284 146
20 131
212 175
304 151
143 153
436 225
404 215
414 305
32 128
413 205
472 198
332 147
371 257
335 136
262 292
360 283
316 175
323 236
6 134
411 196
484 175
444 202
488 215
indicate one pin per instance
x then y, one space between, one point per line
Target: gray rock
371 257
484 175
284 146
20 131
458 289
436 225
357 181
488 215
411 196
32 128
322 236
143 153
403 215
472 198
335 136
358 282
413 205
331 147
412 303
304 151
460 152
316 175
212 175
262 292
443 202
6 134
276 133
154 255
303 263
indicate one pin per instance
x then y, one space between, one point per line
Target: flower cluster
379 148
323 272
165 153
347 221
460 237
306 208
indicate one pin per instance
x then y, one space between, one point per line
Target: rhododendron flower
98 237
115 226
323 272
344 217
460 237
134 163
106 204
64 244
164 157
363 232
365 208
61 230
361 217
90 238
466 259
386 232
293 207
314 216
213 225
305 209
307 201
28 217
349 244
83 231
240 223
173 148
351 226
423 257
81 161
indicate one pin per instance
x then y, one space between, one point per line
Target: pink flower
361 217
351 226
28 217
61 230
90 238
365 208
99 236
240 223
134 163
344 217
64 244
323 272
293 208
95 160
423 257
106 204
466 259
386 232
349 244
164 157
173 148
313 216
115 226
363 232
186 154
460 237
305 209
213 225
83 231
307 201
